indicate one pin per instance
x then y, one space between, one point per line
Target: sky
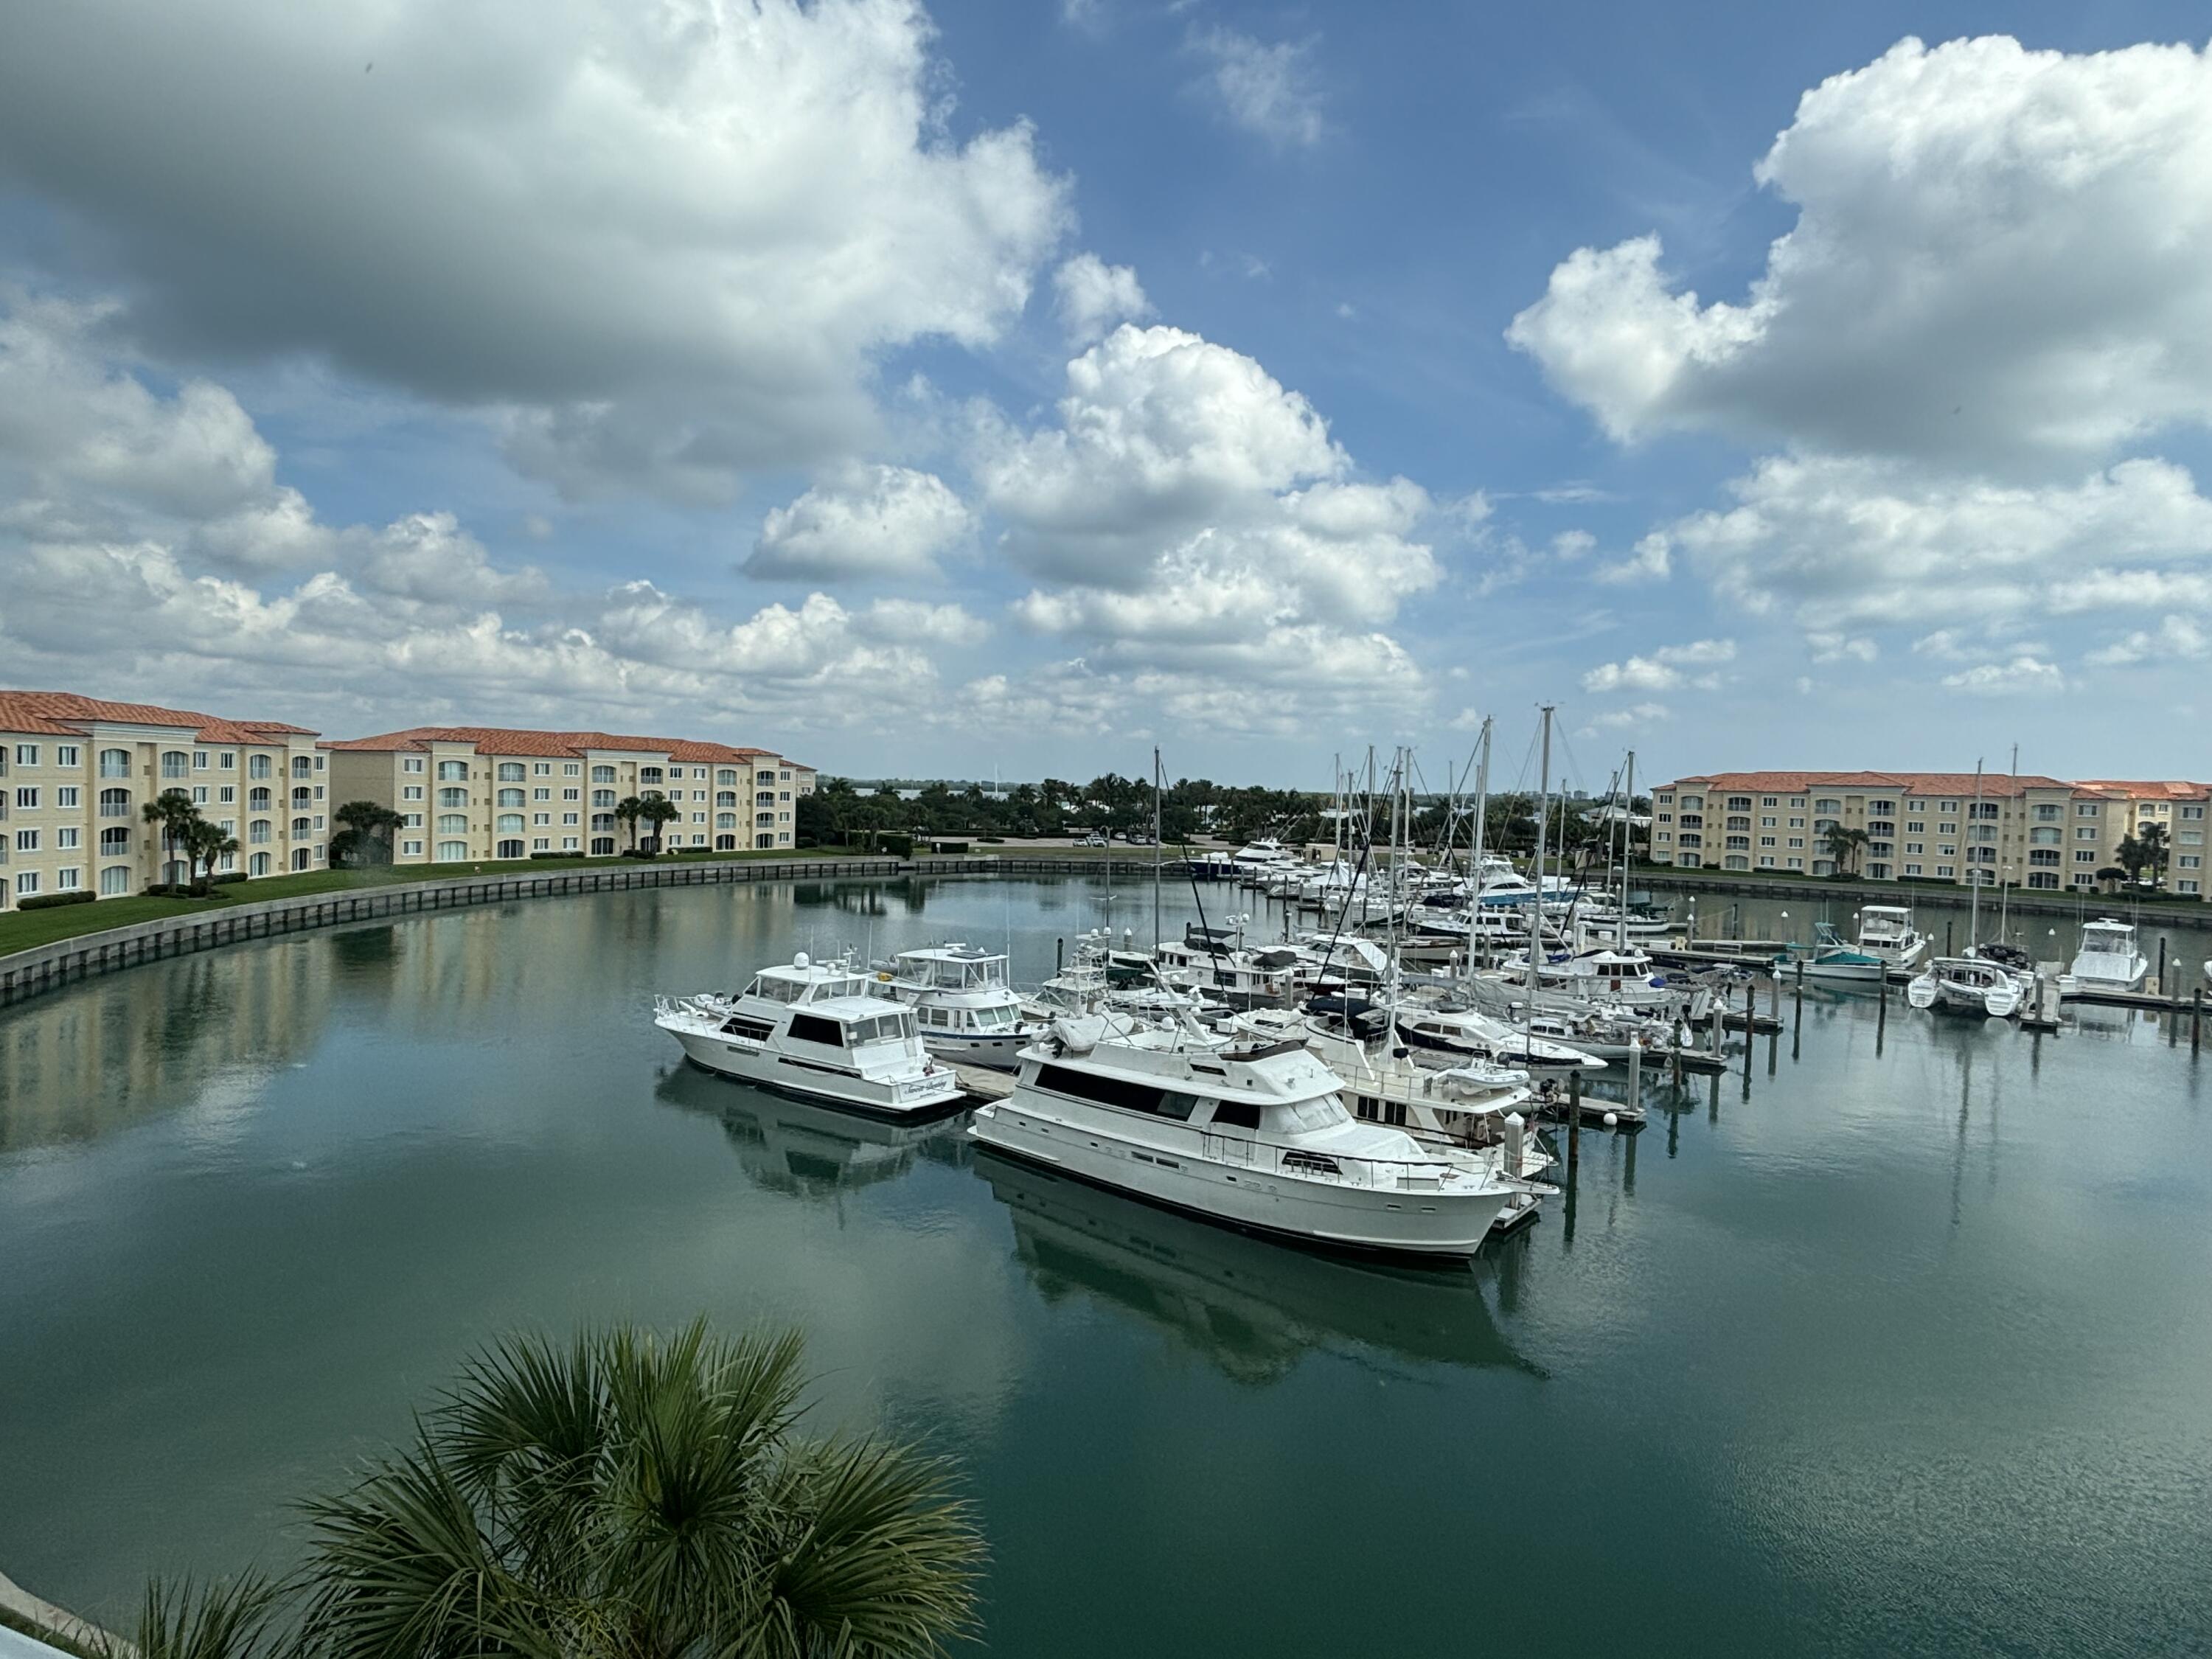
1006 389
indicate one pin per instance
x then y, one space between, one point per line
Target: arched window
259 830
115 762
509 824
453 771
725 843
453 824
259 866
301 798
510 797
603 846
176 763
115 803
510 849
301 828
116 844
511 772
452 852
725 820
257 766
256 801
727 774
114 880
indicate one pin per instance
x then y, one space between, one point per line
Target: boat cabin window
1235 1115
772 989
741 1025
1130 1097
1322 1112
878 1030
812 1027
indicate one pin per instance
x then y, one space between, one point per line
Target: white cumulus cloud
866 521
1092 296
1270 88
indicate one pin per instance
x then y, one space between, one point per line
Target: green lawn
23 930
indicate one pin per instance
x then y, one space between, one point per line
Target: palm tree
621 1497
657 809
173 811
367 833
2152 839
1843 845
626 811
206 844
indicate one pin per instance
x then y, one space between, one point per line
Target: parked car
1094 839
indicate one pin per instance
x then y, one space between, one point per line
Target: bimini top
953 966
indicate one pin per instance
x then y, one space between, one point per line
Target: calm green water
1902 1343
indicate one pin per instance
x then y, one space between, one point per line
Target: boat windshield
879 1028
1305 1116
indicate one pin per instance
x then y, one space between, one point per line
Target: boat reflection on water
805 1150
1249 1306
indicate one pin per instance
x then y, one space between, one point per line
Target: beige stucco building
2025 830
472 793
76 774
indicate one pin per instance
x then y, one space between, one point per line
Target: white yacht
967 1010
1215 961
2109 960
813 1029
1887 930
1971 985
1470 1034
1256 1135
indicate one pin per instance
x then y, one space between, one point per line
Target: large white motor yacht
967 1011
2109 960
1256 1135
812 1029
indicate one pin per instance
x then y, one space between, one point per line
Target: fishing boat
967 1010
2108 960
1887 930
1215 961
1450 1027
1253 1134
1972 985
1829 958
813 1029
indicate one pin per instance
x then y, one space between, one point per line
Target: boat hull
810 1080
1368 1221
999 1052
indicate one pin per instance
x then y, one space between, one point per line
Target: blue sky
1013 387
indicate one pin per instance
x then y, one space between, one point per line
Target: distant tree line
1190 809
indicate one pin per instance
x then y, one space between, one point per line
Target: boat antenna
1543 814
1155 849
1974 900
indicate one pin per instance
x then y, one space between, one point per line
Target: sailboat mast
1474 859
1156 851
1974 903
1543 818
1627 843
2004 893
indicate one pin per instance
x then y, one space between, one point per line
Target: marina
1829 1294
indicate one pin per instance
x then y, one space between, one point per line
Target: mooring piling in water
2195 1022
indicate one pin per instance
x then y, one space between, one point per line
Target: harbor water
1895 1339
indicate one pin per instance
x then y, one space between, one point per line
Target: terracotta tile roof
564 745
2124 789
1917 784
64 714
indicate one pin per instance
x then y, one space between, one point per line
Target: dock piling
1059 953
2195 1022
1574 1117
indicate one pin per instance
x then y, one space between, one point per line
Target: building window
727 774
26 884
2042 878
258 830
510 849
453 771
572 768
453 824
652 773
510 797
603 774
256 801
451 852
508 823
541 768
260 863
26 800
452 797
301 798
114 880
301 828
68 840
2190 861
603 846
567 843
2185 886
303 766
115 843
257 766
27 841
541 843
541 795
27 754
410 792
511 772
410 762
412 849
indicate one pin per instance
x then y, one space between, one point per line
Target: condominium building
2028 830
470 792
76 774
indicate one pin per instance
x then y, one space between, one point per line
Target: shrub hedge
48 901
